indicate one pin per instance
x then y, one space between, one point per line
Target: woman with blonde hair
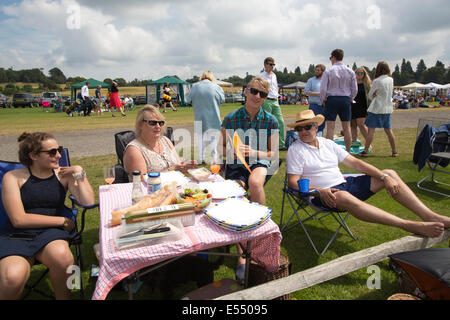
359 107
380 109
151 151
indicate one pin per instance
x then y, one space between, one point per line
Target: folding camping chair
71 213
433 144
122 139
304 210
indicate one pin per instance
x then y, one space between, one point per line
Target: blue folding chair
70 213
304 210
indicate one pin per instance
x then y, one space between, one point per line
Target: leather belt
272 99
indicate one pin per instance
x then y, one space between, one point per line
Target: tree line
402 74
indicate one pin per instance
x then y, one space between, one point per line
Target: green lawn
294 243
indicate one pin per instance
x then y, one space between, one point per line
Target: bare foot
440 218
428 229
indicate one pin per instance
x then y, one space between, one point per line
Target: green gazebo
154 88
93 84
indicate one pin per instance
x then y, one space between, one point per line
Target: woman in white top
151 151
380 109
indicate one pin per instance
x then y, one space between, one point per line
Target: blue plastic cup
303 185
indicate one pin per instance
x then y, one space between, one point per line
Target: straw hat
306 117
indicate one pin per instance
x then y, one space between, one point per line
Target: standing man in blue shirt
312 90
271 104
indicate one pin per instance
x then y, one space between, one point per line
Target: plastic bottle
136 192
153 182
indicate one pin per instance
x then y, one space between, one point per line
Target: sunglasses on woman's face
359 73
52 152
307 128
154 122
254 92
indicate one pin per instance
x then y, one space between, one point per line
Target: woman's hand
184 166
73 170
69 225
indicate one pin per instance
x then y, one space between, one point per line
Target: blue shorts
318 109
358 186
376 120
338 106
240 172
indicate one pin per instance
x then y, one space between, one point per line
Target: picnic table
118 264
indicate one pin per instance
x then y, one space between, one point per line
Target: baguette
163 195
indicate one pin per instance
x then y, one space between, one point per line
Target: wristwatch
384 176
80 175
66 223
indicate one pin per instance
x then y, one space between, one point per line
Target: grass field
294 243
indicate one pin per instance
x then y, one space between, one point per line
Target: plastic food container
200 174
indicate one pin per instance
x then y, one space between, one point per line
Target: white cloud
150 39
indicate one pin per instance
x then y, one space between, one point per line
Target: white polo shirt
320 166
273 92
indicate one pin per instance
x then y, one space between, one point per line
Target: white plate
223 189
239 213
168 177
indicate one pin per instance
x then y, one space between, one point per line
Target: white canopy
295 85
224 83
436 85
447 85
416 85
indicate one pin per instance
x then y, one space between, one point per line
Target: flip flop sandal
394 154
363 154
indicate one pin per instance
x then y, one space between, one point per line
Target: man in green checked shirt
258 131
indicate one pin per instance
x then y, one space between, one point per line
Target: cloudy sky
150 39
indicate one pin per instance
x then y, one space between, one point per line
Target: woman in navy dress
33 198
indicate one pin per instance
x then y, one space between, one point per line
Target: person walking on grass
114 99
380 109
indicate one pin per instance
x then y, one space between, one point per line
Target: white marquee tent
416 85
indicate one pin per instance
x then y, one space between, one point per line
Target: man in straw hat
317 159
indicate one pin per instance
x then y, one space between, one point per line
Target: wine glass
109 174
215 168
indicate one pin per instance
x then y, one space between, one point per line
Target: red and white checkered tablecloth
116 264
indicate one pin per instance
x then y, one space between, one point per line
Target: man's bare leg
366 212
330 129
408 199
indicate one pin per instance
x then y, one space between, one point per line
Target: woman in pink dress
114 100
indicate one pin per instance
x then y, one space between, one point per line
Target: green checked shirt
254 133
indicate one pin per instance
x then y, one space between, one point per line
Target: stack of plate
238 214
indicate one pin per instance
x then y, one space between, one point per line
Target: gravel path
101 142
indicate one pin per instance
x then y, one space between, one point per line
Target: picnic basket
258 275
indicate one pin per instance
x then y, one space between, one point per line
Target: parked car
22 100
140 100
4 101
52 96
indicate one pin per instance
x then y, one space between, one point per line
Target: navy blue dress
39 196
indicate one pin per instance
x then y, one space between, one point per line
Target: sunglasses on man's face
254 92
307 128
154 122
52 152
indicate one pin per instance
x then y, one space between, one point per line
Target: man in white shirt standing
86 105
271 104
317 159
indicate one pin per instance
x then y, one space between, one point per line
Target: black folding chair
437 160
304 211
71 213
